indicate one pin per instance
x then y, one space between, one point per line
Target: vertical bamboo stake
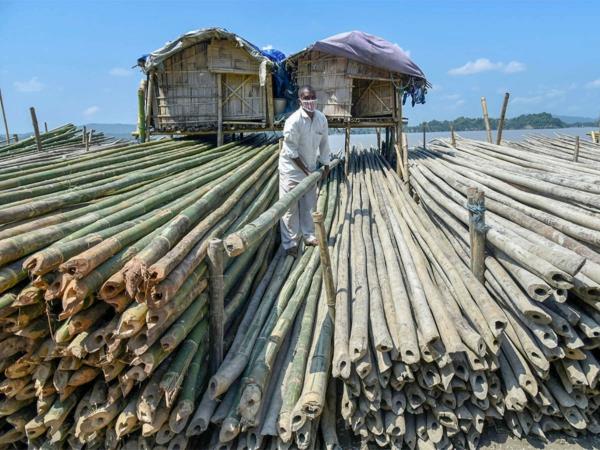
142 111
477 230
36 129
16 137
84 137
4 119
325 261
452 136
216 287
388 153
219 110
378 132
86 141
45 127
149 102
424 136
502 116
402 157
486 119
270 105
347 149
280 144
576 154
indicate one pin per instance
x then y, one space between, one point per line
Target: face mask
308 105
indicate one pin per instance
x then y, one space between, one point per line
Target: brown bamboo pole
4 119
486 119
502 117
576 152
36 129
476 207
216 255
346 149
325 261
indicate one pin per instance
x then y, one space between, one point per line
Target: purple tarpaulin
369 49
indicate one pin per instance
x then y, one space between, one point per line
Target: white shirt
303 138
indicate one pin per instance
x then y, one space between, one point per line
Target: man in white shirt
305 138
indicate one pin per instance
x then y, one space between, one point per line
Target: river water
336 141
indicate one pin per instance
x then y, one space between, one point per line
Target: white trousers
297 221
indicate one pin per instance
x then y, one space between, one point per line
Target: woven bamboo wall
372 98
327 75
346 88
186 88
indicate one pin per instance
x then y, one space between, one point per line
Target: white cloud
91 111
267 47
31 85
595 84
541 96
120 72
514 67
485 65
452 97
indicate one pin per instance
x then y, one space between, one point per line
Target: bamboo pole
452 136
16 137
149 102
502 117
36 129
486 119
378 132
476 207
424 136
325 261
141 111
346 148
45 127
219 109
576 152
217 302
5 120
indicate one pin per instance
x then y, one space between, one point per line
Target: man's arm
298 161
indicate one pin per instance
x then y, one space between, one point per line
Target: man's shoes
311 241
292 251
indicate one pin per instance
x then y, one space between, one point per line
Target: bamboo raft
61 143
105 269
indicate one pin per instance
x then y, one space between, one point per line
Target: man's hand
325 173
301 166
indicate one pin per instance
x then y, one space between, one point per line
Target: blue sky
72 59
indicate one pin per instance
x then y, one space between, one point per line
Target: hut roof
367 49
190 38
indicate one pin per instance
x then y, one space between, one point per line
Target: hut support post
576 153
424 136
378 132
477 230
219 110
347 149
4 119
36 129
452 136
270 106
216 287
149 102
142 112
486 119
502 117
402 153
325 261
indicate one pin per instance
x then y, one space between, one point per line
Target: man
305 137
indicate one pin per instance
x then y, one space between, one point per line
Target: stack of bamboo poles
563 147
60 143
274 387
542 269
103 310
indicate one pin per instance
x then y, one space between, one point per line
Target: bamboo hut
205 81
357 77
362 81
